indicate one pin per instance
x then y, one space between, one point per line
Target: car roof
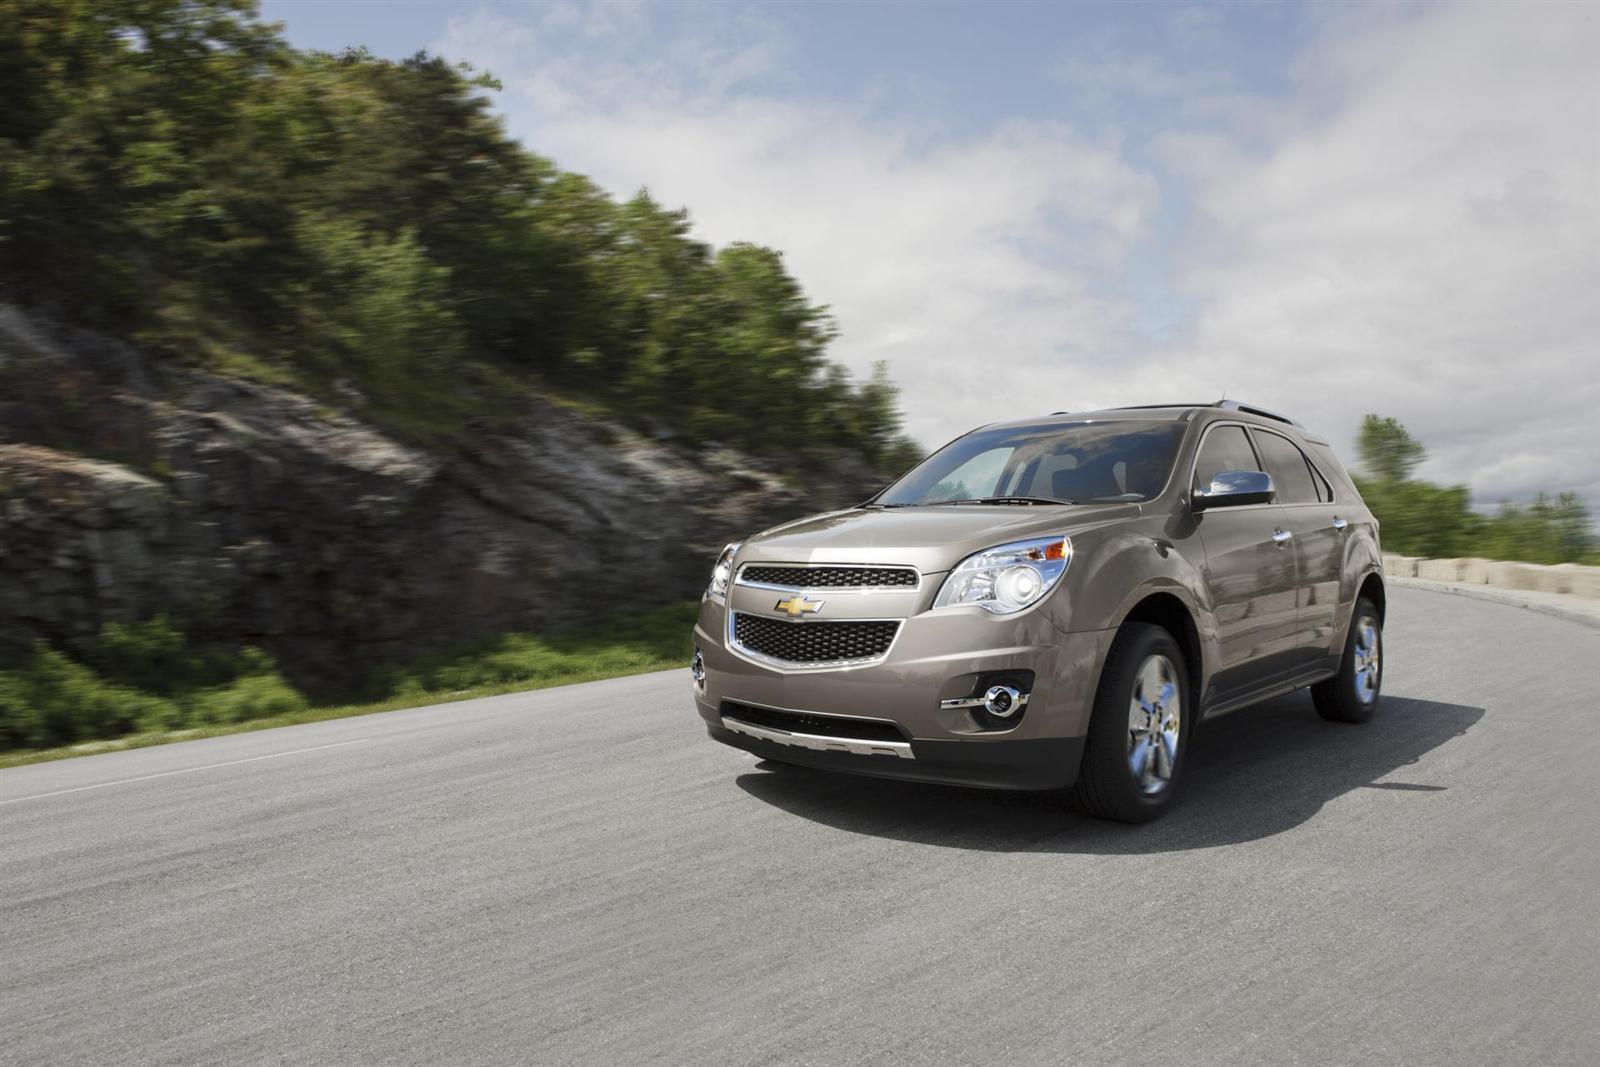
1230 409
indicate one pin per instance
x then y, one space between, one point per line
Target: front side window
1225 448
1068 463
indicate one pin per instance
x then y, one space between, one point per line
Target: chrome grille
845 641
823 576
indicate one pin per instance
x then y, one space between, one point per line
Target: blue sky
1023 207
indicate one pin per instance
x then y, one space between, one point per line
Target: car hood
931 539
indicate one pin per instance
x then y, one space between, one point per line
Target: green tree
1422 519
1386 450
173 173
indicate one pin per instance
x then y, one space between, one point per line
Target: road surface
579 876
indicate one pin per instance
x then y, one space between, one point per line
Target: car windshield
1066 463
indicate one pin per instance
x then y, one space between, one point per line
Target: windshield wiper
1007 500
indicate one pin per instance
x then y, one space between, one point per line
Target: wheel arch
1169 611
1372 588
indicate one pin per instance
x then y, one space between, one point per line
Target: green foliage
1423 519
644 641
135 677
51 699
1546 531
149 677
1386 450
172 172
1419 518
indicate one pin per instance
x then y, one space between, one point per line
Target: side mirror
1231 489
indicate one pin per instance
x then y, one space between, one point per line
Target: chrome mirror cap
1235 488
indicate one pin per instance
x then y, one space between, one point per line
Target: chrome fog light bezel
1003 701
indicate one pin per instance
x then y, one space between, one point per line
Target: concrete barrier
1569 579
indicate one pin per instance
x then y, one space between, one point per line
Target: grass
513 663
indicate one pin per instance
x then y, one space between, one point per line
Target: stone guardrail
1572 579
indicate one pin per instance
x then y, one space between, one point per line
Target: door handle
1339 524
1281 536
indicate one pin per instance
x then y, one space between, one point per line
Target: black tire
1343 698
1107 787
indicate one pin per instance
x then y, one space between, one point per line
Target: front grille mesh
831 577
800 722
813 642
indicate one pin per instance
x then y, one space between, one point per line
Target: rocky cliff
255 515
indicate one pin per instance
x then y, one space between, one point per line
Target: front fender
1116 570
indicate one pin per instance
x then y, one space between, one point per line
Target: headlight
722 573
1007 578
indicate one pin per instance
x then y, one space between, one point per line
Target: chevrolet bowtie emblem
797 606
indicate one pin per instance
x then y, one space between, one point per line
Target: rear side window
1225 448
1287 465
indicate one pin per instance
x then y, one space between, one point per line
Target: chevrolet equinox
1052 604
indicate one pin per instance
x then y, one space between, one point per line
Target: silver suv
1052 603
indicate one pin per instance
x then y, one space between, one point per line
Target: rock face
255 515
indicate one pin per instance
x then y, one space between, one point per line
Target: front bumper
1039 763
936 657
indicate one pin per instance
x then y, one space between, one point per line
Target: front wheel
1139 730
1352 694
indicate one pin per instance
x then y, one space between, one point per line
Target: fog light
1002 701
697 670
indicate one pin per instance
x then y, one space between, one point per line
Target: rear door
1252 576
1317 534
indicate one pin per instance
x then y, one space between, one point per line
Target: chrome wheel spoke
1153 724
1139 761
1163 760
1366 658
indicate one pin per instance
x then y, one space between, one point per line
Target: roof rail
1153 407
1251 409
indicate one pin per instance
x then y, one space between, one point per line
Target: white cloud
1430 249
1413 229
939 253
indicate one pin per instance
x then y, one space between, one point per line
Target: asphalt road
579 875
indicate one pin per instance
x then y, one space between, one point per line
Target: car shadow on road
1250 774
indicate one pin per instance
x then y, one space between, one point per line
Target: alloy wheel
1154 720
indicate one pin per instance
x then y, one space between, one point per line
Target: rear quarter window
1328 464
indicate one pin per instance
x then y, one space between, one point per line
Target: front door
1251 571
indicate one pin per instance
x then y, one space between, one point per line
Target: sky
1326 210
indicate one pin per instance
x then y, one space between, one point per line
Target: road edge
1510 597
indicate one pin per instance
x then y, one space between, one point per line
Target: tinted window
1288 469
1084 461
1226 448
1324 490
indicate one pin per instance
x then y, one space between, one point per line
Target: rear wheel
1139 730
1352 694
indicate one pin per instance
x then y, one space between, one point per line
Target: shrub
53 700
